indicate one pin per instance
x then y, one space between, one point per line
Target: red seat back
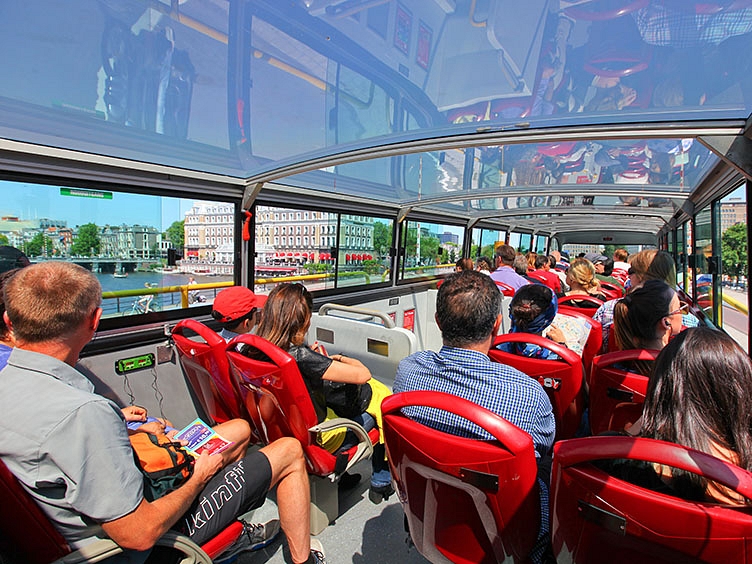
617 395
27 533
594 514
594 341
465 500
28 536
277 399
561 379
205 365
505 289
586 304
612 291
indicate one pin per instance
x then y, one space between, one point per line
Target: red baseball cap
235 302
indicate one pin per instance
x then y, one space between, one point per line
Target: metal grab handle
388 321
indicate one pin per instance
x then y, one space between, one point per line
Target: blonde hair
46 301
582 271
653 264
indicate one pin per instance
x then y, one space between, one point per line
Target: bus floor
364 533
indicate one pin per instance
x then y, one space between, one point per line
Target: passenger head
647 317
581 275
532 309
237 309
652 265
520 265
542 262
699 395
621 255
531 256
11 258
467 308
505 255
483 263
464 264
607 266
51 300
286 316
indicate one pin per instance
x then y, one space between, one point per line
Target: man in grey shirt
70 450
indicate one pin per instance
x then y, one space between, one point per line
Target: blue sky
34 201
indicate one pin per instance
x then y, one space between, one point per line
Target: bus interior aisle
363 533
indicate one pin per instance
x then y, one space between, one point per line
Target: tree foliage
382 238
4 240
38 245
734 250
176 234
87 242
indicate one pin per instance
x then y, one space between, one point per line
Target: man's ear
95 319
496 326
7 321
436 318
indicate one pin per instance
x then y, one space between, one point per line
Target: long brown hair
286 315
699 395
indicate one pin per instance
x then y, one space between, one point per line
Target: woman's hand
556 335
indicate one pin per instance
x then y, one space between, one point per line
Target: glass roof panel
240 87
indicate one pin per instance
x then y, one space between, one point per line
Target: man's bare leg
238 431
293 494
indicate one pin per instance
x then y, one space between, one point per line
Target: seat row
474 501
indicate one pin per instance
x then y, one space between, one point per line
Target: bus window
484 242
734 289
514 240
364 256
525 242
540 244
319 249
430 248
703 251
145 250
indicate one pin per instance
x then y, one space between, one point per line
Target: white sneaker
317 552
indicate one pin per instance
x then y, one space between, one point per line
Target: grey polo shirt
67 445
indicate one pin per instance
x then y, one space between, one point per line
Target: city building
732 212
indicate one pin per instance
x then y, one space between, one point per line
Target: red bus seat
587 304
205 365
274 394
612 291
594 514
28 536
594 341
505 289
465 500
561 379
617 395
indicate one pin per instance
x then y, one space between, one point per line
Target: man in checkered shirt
468 309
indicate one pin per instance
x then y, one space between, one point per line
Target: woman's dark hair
528 303
465 264
699 395
485 261
637 314
286 315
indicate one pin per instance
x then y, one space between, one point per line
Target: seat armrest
105 548
364 449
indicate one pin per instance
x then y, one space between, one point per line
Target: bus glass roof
419 102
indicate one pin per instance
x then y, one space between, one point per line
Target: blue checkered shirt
468 374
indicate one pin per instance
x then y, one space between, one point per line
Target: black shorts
234 490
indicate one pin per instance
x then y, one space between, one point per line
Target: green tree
87 242
4 240
38 245
382 238
608 250
429 248
734 250
176 234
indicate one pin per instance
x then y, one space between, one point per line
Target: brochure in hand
202 438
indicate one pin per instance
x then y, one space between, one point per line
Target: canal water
136 280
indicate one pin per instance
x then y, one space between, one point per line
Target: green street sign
83 193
